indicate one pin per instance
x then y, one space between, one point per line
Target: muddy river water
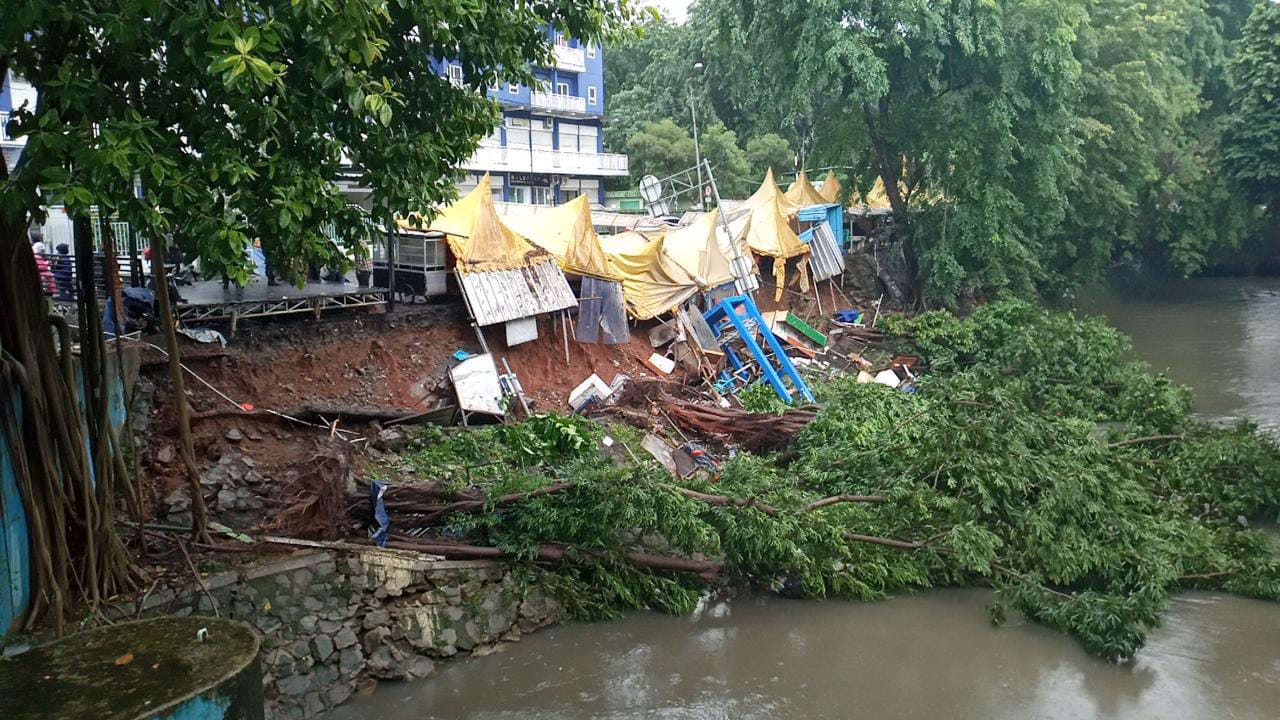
929 656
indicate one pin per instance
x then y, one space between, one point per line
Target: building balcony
541 160
556 103
570 58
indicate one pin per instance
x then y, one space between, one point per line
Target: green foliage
1251 142
661 149
1060 364
769 151
727 160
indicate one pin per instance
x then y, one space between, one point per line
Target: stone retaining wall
333 620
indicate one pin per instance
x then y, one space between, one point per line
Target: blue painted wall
15 550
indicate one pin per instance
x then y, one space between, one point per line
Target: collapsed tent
503 276
696 249
802 193
733 243
652 282
831 189
568 233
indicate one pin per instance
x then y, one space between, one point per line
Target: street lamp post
697 149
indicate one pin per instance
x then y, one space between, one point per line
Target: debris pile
756 432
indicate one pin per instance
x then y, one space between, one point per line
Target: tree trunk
199 516
64 460
890 164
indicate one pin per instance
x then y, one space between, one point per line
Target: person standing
47 282
64 270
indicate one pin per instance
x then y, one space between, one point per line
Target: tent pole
564 330
724 222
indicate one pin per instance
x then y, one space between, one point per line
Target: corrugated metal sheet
825 259
496 297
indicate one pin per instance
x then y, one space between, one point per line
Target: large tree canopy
1035 143
1252 138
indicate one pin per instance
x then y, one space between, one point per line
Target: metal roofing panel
825 260
475 380
502 295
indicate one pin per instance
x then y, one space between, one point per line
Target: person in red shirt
42 267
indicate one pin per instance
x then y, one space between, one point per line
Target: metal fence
59 276
57 230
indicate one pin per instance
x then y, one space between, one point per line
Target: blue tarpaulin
377 490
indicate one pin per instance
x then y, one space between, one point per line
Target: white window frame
541 196
455 75
548 123
591 50
562 88
591 95
513 88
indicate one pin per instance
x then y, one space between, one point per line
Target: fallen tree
1029 464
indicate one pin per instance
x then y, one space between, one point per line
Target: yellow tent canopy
802 193
652 283
769 233
770 230
831 188
769 192
696 249
566 231
878 199
478 238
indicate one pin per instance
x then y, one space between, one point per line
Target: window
569 137
591 95
547 123
562 39
455 74
562 88
519 194
591 51
541 196
517 132
513 88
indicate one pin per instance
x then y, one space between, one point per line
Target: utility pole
697 149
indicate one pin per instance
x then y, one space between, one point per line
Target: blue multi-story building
550 146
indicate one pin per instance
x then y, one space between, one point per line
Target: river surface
930 656
1221 336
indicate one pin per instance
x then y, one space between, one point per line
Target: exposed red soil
396 361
